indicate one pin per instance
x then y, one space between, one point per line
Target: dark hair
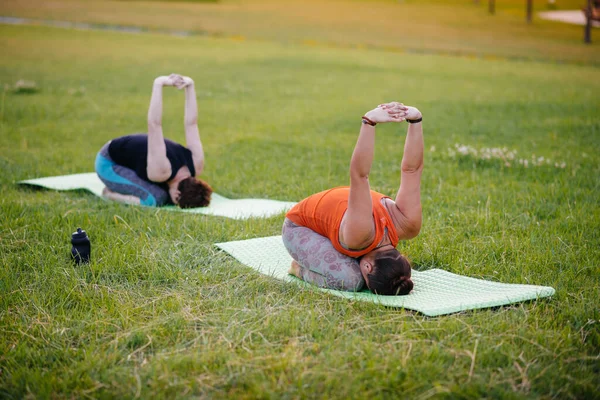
391 274
193 193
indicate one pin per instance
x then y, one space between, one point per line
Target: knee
284 228
287 235
101 164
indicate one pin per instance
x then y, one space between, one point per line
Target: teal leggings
123 180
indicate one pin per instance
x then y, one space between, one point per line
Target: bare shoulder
393 211
406 227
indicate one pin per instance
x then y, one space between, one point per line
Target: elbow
358 173
154 123
358 177
191 122
412 169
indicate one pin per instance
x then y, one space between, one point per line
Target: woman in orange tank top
345 238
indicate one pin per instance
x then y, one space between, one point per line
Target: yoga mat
436 292
219 206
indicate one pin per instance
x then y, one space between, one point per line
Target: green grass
440 26
160 313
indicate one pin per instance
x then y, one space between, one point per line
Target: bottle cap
80 234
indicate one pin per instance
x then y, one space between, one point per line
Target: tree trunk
587 38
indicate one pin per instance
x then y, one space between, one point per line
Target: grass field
457 27
160 313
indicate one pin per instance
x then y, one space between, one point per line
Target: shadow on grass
36 189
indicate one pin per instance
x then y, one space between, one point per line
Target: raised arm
358 228
192 135
158 165
408 198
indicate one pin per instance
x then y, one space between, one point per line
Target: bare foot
122 198
295 269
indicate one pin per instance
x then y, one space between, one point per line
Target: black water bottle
80 252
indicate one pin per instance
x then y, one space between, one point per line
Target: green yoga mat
436 292
219 206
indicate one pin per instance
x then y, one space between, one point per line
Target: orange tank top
323 212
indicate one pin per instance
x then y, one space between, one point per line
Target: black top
131 151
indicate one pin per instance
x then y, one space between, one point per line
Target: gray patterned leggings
321 264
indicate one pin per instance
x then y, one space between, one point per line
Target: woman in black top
154 171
